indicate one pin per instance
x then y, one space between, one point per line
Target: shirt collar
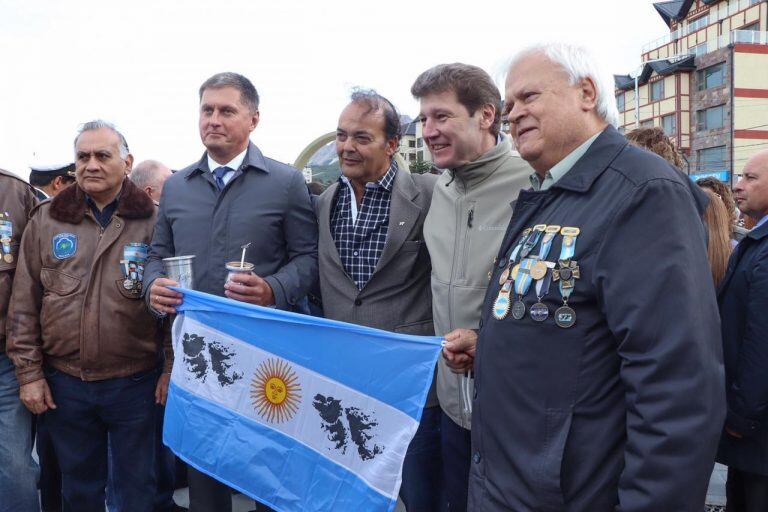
761 222
386 182
562 167
113 205
233 164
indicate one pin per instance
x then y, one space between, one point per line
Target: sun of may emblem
275 391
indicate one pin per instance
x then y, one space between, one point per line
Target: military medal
501 304
539 268
134 259
518 310
566 274
565 317
6 234
539 311
504 275
522 280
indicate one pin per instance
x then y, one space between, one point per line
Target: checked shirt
360 235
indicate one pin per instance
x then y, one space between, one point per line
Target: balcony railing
735 37
715 15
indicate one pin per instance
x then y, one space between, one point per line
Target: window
419 143
698 23
710 118
713 76
752 26
699 49
648 123
620 102
657 90
411 143
712 159
669 124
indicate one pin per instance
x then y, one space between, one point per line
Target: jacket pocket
58 282
557 426
134 293
420 328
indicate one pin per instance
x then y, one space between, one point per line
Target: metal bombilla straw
242 258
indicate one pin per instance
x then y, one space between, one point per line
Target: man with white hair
599 378
150 176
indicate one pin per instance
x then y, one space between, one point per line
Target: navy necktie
219 172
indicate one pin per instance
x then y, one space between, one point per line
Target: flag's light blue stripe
261 462
397 356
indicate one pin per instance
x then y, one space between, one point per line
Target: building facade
705 84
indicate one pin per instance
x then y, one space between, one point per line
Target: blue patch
64 245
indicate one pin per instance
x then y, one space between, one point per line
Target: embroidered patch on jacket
64 245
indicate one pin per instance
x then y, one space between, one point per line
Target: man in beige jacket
460 110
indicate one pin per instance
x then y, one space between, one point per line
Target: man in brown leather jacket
18 472
86 350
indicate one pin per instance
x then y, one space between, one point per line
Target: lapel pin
402 223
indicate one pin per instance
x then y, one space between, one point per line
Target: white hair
578 63
99 124
148 173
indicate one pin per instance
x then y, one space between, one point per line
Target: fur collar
70 205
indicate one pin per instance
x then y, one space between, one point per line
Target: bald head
150 175
751 191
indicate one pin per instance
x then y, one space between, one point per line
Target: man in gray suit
374 264
232 196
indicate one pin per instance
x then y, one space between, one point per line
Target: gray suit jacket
398 296
266 203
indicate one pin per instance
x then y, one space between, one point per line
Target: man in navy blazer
743 301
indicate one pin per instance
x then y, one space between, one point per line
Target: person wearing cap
231 197
86 350
50 180
18 471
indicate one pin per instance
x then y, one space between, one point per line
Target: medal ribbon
546 245
530 243
520 242
566 253
523 279
542 286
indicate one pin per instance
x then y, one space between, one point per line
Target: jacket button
476 458
117 225
358 302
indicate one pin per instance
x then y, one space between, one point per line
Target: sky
139 64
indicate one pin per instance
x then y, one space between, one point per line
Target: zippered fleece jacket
466 222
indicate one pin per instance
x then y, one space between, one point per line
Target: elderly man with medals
599 380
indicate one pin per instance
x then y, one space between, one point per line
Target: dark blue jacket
623 410
743 299
265 203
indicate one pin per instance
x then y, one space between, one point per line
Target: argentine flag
300 413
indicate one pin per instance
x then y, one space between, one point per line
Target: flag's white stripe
394 431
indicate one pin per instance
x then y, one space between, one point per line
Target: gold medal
540 227
514 271
552 229
8 258
504 276
538 270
